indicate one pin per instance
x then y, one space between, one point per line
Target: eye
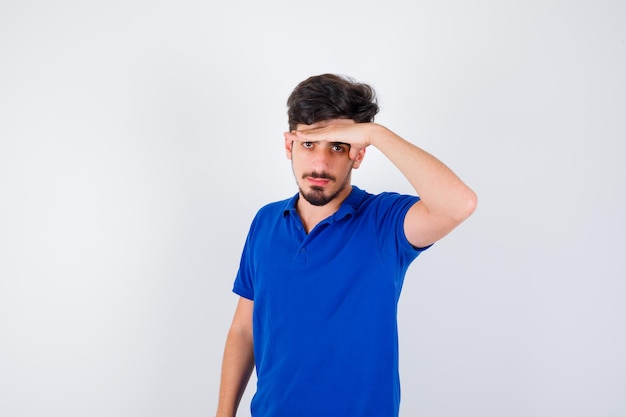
339 147
307 145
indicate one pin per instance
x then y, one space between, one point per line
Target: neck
311 215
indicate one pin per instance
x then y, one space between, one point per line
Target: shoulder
275 207
388 200
270 213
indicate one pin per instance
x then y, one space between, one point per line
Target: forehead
325 123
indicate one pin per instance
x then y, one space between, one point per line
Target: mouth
318 182
318 179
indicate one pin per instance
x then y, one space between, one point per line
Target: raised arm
238 361
445 201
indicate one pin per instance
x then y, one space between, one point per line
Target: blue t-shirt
325 307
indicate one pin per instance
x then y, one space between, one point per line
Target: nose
321 158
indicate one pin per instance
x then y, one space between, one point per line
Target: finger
320 133
291 136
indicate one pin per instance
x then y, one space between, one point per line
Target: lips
319 182
318 179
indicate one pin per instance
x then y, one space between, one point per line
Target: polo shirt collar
348 208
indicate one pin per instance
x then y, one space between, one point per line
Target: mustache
320 175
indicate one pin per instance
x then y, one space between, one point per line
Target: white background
138 138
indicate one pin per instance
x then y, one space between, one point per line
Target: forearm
237 366
441 190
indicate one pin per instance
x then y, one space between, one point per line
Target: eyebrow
330 143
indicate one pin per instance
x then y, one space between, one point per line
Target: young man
321 272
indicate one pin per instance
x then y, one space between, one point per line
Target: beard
316 195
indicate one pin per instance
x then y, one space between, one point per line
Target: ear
288 146
359 159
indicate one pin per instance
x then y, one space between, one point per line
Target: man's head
322 169
329 96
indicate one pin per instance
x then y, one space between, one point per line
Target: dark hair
330 96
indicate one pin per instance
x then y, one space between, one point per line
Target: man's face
322 169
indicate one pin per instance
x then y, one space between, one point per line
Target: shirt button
302 250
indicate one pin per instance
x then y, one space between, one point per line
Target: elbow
466 206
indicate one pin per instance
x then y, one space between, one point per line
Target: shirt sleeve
392 210
244 281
